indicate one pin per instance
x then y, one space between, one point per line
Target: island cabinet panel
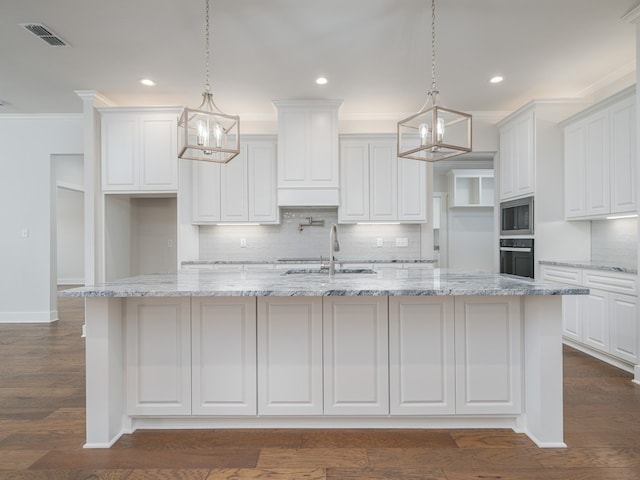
488 355
421 355
158 356
289 356
356 378
223 342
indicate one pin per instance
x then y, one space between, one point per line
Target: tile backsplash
289 240
615 241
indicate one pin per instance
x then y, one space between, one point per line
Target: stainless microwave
516 217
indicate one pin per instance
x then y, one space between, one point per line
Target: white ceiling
375 53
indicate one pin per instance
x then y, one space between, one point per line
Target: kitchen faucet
334 246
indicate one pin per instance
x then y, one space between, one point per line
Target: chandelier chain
207 86
433 47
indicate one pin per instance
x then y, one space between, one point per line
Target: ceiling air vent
43 32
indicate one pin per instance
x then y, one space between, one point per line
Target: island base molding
397 362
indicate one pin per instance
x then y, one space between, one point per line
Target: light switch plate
379 242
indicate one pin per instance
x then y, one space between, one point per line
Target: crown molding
99 100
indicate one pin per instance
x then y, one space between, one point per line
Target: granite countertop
293 261
590 265
398 281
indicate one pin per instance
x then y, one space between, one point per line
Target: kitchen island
396 348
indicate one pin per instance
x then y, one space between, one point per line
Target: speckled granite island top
386 282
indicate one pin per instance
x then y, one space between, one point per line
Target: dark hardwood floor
42 431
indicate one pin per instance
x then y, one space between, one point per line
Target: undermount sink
341 271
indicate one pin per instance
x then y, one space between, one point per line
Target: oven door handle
515 249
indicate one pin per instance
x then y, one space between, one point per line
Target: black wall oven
516 257
516 217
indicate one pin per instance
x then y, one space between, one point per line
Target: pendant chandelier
435 132
206 133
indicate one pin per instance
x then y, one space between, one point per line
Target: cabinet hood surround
308 152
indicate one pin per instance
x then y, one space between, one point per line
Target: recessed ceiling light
147 82
496 79
321 80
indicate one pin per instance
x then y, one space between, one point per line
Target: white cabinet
243 190
139 150
421 355
622 145
290 356
605 320
600 162
308 153
356 371
223 340
517 156
412 190
377 186
572 305
623 328
488 355
158 356
470 188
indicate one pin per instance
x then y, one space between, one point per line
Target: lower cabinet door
488 355
290 355
572 317
158 356
223 346
624 327
596 320
356 379
421 355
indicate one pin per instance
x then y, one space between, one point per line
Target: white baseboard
29 317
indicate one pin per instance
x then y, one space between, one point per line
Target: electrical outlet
24 233
243 242
379 242
169 243
402 242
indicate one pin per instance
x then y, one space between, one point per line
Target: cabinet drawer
572 276
612 282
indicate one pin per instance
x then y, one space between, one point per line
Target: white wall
471 240
69 219
27 278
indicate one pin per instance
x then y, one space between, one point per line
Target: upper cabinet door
233 190
622 160
261 168
574 170
120 152
205 192
354 181
412 190
597 164
525 155
158 157
383 182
